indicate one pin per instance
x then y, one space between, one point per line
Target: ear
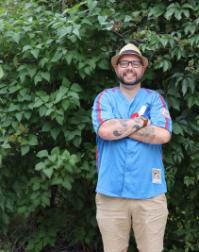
115 68
144 68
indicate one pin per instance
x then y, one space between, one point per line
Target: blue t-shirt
128 168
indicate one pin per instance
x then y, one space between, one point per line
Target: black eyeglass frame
132 62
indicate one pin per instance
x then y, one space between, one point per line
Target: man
131 124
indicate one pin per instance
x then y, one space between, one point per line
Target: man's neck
130 91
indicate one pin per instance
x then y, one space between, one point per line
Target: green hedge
54 59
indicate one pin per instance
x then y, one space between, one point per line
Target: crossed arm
116 129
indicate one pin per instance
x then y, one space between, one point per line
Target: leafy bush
54 59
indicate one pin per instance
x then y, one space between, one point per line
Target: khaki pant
148 218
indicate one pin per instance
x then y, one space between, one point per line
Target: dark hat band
130 52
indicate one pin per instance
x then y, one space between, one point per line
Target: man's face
129 70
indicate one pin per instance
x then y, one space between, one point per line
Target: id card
156 176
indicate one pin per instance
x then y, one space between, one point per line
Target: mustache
129 71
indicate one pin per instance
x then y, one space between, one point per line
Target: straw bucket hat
128 50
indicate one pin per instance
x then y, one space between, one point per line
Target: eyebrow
130 61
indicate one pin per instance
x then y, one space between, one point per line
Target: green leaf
19 116
42 154
45 203
70 56
64 31
48 172
1 72
156 11
178 15
193 100
184 87
75 8
32 140
177 129
32 71
37 78
25 149
186 13
65 104
43 62
127 19
39 166
59 119
73 160
102 20
66 184
169 14
76 88
76 31
26 48
49 111
60 94
5 145
2 25
45 75
22 209
35 53
13 89
175 103
91 4
42 111
77 141
56 181
38 102
16 37
103 64
46 127
36 186
54 133
55 151
189 180
57 56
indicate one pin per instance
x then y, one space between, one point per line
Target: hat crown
130 47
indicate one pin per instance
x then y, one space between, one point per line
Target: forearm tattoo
136 127
117 133
147 132
124 128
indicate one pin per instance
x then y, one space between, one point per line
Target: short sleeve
101 110
159 113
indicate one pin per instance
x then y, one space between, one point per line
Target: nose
130 65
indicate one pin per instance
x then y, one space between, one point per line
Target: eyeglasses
125 63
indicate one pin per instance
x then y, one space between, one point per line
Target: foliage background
54 59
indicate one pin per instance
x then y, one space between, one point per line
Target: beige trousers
116 216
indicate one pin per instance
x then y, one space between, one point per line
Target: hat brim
114 59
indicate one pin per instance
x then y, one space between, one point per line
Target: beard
137 80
